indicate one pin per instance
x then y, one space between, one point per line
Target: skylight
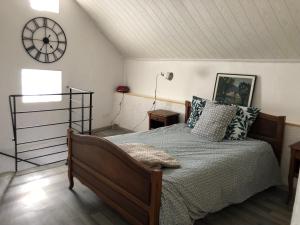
45 5
36 82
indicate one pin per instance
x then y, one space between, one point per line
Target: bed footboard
119 180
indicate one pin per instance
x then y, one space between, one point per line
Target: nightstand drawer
172 119
157 118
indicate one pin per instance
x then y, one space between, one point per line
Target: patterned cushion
196 109
241 123
213 122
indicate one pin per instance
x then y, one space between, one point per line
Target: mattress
212 176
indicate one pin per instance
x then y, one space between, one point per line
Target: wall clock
44 39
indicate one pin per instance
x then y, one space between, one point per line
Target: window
45 5
41 82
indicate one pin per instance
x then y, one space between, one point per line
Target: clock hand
42 47
32 39
63 42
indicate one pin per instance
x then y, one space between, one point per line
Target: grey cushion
196 110
213 122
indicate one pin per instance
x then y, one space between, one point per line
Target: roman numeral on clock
46 58
29 49
54 55
37 56
45 22
36 24
27 28
60 50
27 38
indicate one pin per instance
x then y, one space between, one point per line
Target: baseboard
114 126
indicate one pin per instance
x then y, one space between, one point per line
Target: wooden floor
43 198
111 131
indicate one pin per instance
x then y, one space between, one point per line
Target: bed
212 175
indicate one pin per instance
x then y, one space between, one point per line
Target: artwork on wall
234 89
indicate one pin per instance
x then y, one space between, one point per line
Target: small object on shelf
122 89
294 167
161 118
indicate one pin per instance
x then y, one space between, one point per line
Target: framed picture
234 89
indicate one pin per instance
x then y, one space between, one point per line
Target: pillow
241 123
251 113
196 109
213 122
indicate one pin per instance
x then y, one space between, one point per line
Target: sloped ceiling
200 29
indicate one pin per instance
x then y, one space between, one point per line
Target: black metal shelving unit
70 109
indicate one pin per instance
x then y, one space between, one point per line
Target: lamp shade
168 75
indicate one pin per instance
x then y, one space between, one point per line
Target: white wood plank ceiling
200 29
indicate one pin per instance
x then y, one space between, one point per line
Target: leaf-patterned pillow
197 107
251 113
241 123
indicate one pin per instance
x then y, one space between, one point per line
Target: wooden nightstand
294 167
161 118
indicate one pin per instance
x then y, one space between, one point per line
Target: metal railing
18 155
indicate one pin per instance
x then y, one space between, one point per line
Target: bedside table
161 118
294 167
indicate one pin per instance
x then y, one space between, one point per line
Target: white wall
90 62
277 90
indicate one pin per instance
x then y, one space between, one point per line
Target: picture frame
234 89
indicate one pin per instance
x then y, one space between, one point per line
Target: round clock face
44 40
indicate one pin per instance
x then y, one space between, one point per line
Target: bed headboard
268 128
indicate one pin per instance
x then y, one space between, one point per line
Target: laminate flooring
43 198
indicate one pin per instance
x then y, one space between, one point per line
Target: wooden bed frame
125 184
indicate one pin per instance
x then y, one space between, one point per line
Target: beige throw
149 155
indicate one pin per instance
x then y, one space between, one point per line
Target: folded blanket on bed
149 155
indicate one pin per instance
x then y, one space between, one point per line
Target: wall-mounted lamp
168 76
